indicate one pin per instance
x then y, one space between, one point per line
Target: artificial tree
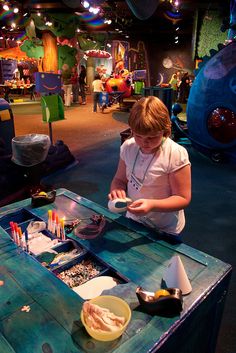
42 40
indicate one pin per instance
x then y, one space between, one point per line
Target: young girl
98 87
153 170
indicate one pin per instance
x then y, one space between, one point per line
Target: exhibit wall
164 60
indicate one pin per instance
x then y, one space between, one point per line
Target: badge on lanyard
135 183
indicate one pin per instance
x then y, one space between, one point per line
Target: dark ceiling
161 24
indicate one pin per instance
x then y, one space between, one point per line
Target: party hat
176 277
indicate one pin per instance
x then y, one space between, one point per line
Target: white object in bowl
116 306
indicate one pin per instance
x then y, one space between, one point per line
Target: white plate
95 287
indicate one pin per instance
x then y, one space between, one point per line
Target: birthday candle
26 240
13 234
57 226
62 223
16 233
20 237
50 220
53 230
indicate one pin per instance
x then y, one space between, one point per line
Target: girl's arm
180 182
119 182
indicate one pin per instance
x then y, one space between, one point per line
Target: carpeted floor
94 139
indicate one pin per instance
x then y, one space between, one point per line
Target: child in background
75 85
154 171
82 83
67 85
97 87
174 86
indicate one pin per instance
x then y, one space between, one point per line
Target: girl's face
149 143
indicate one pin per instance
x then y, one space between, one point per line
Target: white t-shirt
155 170
97 86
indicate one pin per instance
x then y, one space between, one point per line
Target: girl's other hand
117 194
140 207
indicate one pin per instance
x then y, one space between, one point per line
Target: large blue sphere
211 108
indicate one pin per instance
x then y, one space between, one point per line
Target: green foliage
33 49
86 43
210 34
66 55
63 24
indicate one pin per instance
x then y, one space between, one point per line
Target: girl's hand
140 207
117 194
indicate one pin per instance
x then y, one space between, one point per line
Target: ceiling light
5 7
177 28
94 10
15 10
85 4
107 21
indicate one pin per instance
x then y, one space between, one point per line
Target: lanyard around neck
146 170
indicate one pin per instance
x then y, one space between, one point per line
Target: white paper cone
176 277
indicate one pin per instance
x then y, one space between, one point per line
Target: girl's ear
126 134
167 134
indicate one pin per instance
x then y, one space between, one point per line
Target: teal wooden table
130 252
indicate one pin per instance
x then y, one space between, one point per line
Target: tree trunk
50 60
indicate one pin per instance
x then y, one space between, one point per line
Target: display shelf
7 68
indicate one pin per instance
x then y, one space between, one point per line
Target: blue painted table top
53 323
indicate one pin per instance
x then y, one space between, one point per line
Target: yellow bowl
115 305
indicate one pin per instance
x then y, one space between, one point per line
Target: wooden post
50 132
90 72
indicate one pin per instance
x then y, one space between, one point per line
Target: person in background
178 75
82 84
97 87
173 83
153 170
75 85
67 85
184 88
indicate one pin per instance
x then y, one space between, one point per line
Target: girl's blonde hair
148 116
